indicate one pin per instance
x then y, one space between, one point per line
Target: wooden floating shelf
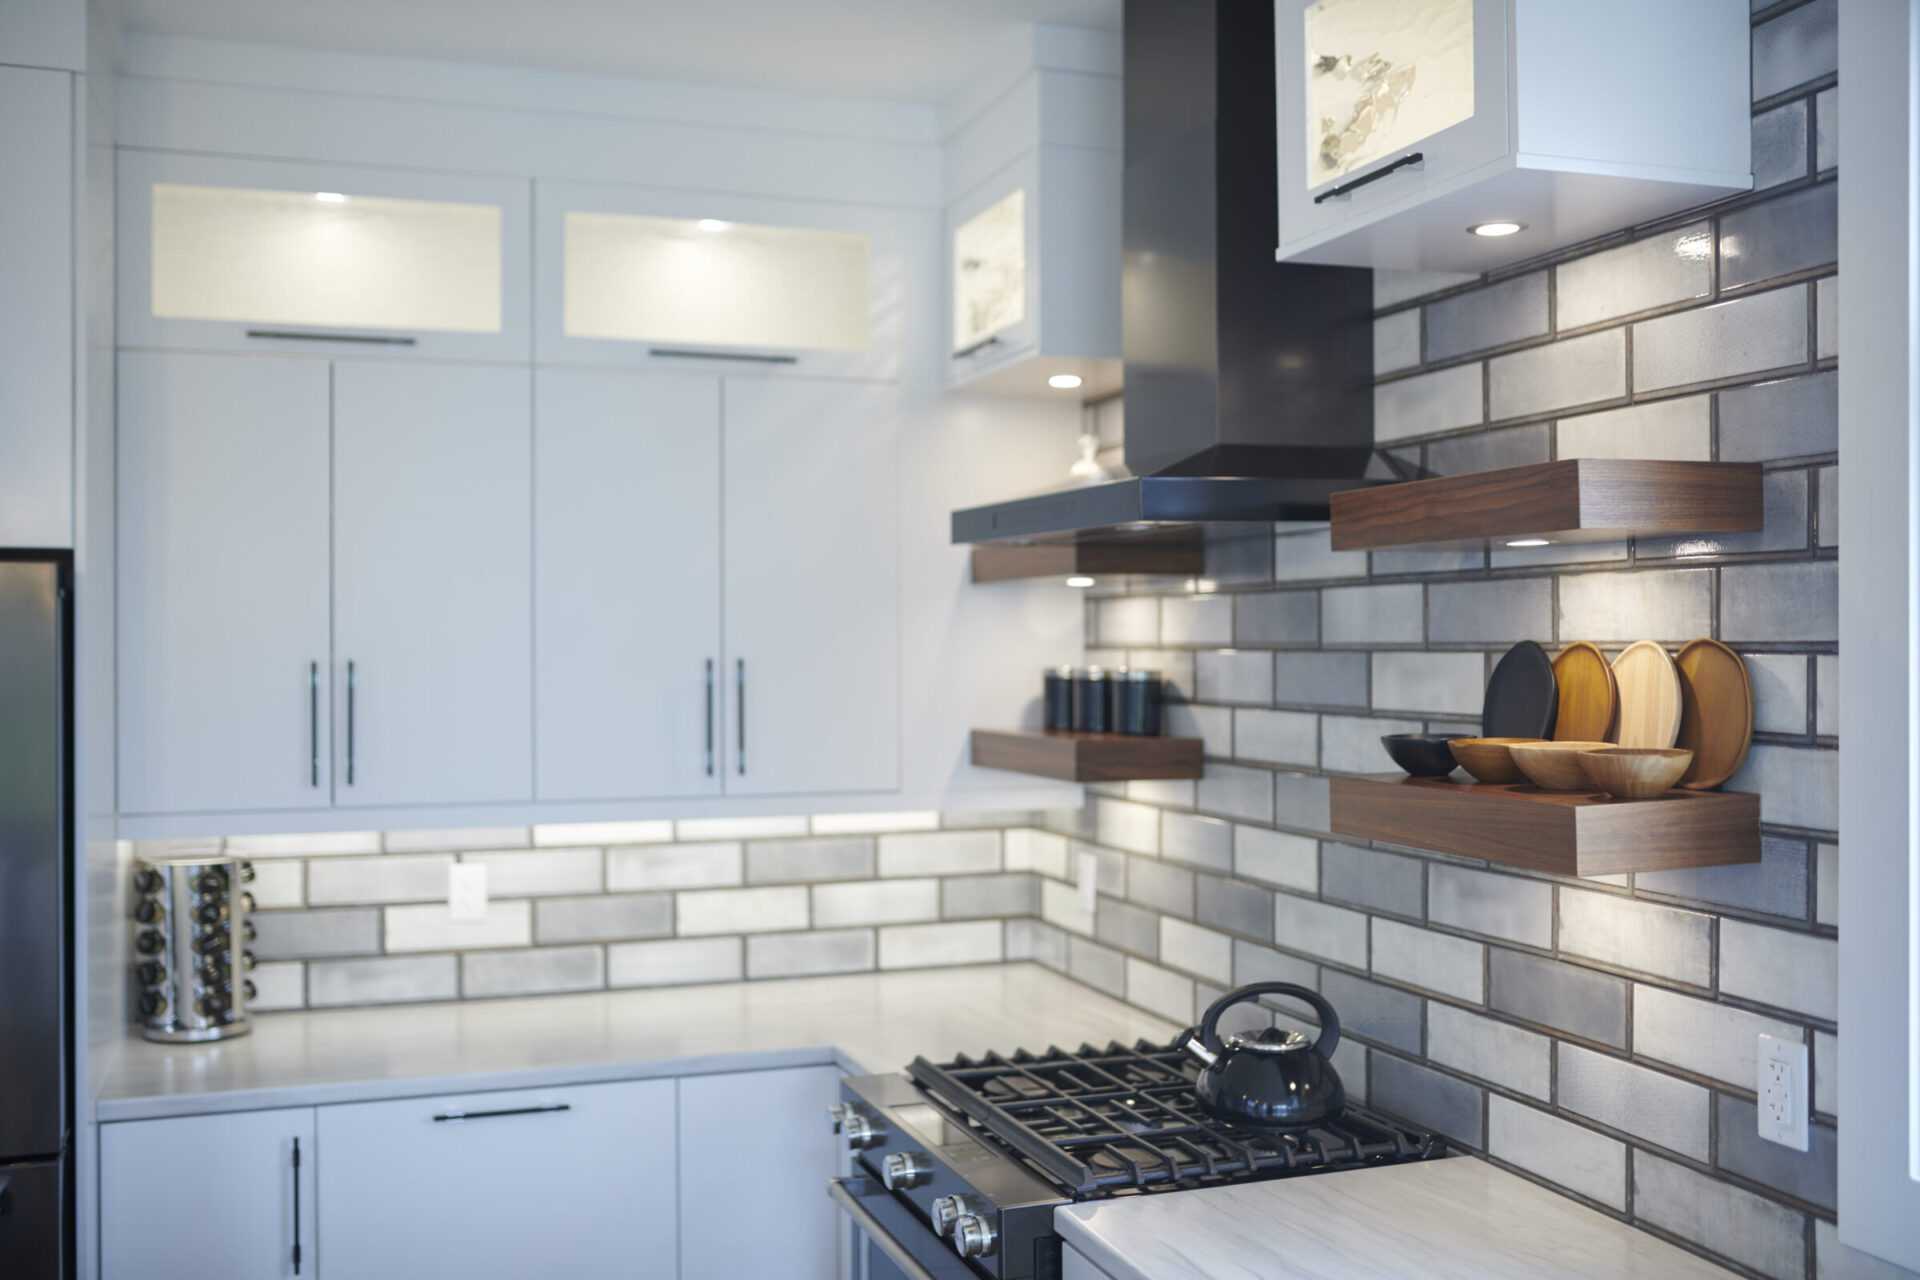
1570 833
1087 757
1578 500
1180 552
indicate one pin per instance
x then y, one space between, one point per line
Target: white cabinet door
432 584
812 661
755 1156
626 584
575 1182
36 309
223 619
221 1197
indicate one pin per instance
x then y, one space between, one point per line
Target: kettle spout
1200 1051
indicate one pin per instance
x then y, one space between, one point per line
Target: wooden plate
1649 687
1589 699
1522 695
1716 712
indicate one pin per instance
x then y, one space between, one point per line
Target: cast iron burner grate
1102 1122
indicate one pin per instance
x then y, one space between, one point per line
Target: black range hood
1249 383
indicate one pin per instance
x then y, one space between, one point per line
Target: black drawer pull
455 1116
1412 160
982 345
752 357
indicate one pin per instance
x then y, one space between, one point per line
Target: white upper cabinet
36 309
626 511
432 584
1404 125
664 279
264 255
223 580
1033 166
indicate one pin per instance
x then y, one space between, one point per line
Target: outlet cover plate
1782 1090
467 891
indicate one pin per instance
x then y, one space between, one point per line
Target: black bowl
1424 755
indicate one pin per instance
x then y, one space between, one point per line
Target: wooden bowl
1636 773
1424 755
1555 766
1488 759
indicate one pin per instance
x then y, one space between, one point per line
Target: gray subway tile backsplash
674 962
1749 335
1797 232
1799 46
603 918
541 971
1653 272
1780 418
1589 370
1780 145
1577 1001
1511 311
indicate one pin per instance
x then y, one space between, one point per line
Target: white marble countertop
865 1022
1456 1219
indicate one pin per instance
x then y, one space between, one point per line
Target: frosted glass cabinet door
265 255
223 615
994 271
626 584
633 276
812 669
432 547
1363 85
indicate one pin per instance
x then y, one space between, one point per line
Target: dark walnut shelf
1178 552
1569 833
1087 757
1578 500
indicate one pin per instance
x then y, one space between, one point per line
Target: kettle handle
1209 1033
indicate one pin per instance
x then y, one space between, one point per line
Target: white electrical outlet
1089 881
1783 1092
467 891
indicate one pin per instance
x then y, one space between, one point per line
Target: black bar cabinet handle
709 717
353 688
296 1206
992 340
751 357
740 713
454 1117
313 724
1411 160
296 335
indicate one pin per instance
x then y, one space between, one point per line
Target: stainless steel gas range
959 1167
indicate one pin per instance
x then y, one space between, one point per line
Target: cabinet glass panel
325 258
1381 75
990 271
705 282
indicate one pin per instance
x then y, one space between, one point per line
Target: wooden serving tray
1572 833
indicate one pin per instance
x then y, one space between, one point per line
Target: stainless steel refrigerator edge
35 956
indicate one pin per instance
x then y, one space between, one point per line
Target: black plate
1522 696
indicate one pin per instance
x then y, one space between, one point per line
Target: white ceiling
904 50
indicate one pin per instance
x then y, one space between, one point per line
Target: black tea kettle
1278 1079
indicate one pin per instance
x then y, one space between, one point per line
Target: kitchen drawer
575 1182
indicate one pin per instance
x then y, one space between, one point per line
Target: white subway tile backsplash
1563 375
1500 906
806 955
1373 615
318 844
1569 1155
674 962
1638 1100
674 866
278 986
1701 1036
1231 791
1029 849
382 980
1128 620
995 896
1656 271
765 910
1672 605
1317 929
1499 612
1432 961
541 971
1798 786
1276 737
298 935
875 902
1351 744
1750 335
1753 1231
430 928
1196 619
1120 824
1308 556
1510 311
278 882
939 853
796 861
1233 675
541 873
1171 995
1060 907
921 946
1427 403
1276 857
1780 968
1396 342
1191 838
1443 683
1680 429
602 918
393 878
1196 950
1497 1052
1663 941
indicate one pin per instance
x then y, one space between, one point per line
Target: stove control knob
945 1212
859 1130
974 1236
838 1113
904 1170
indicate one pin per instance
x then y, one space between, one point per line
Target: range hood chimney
1249 383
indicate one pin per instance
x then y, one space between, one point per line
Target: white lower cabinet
222 1197
575 1182
756 1150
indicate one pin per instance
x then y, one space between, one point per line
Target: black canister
1136 702
1092 708
1056 701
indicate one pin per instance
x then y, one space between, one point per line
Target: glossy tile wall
359 918
1598 1036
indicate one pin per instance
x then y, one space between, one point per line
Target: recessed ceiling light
329 197
1529 542
1079 581
711 224
1064 381
1497 228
